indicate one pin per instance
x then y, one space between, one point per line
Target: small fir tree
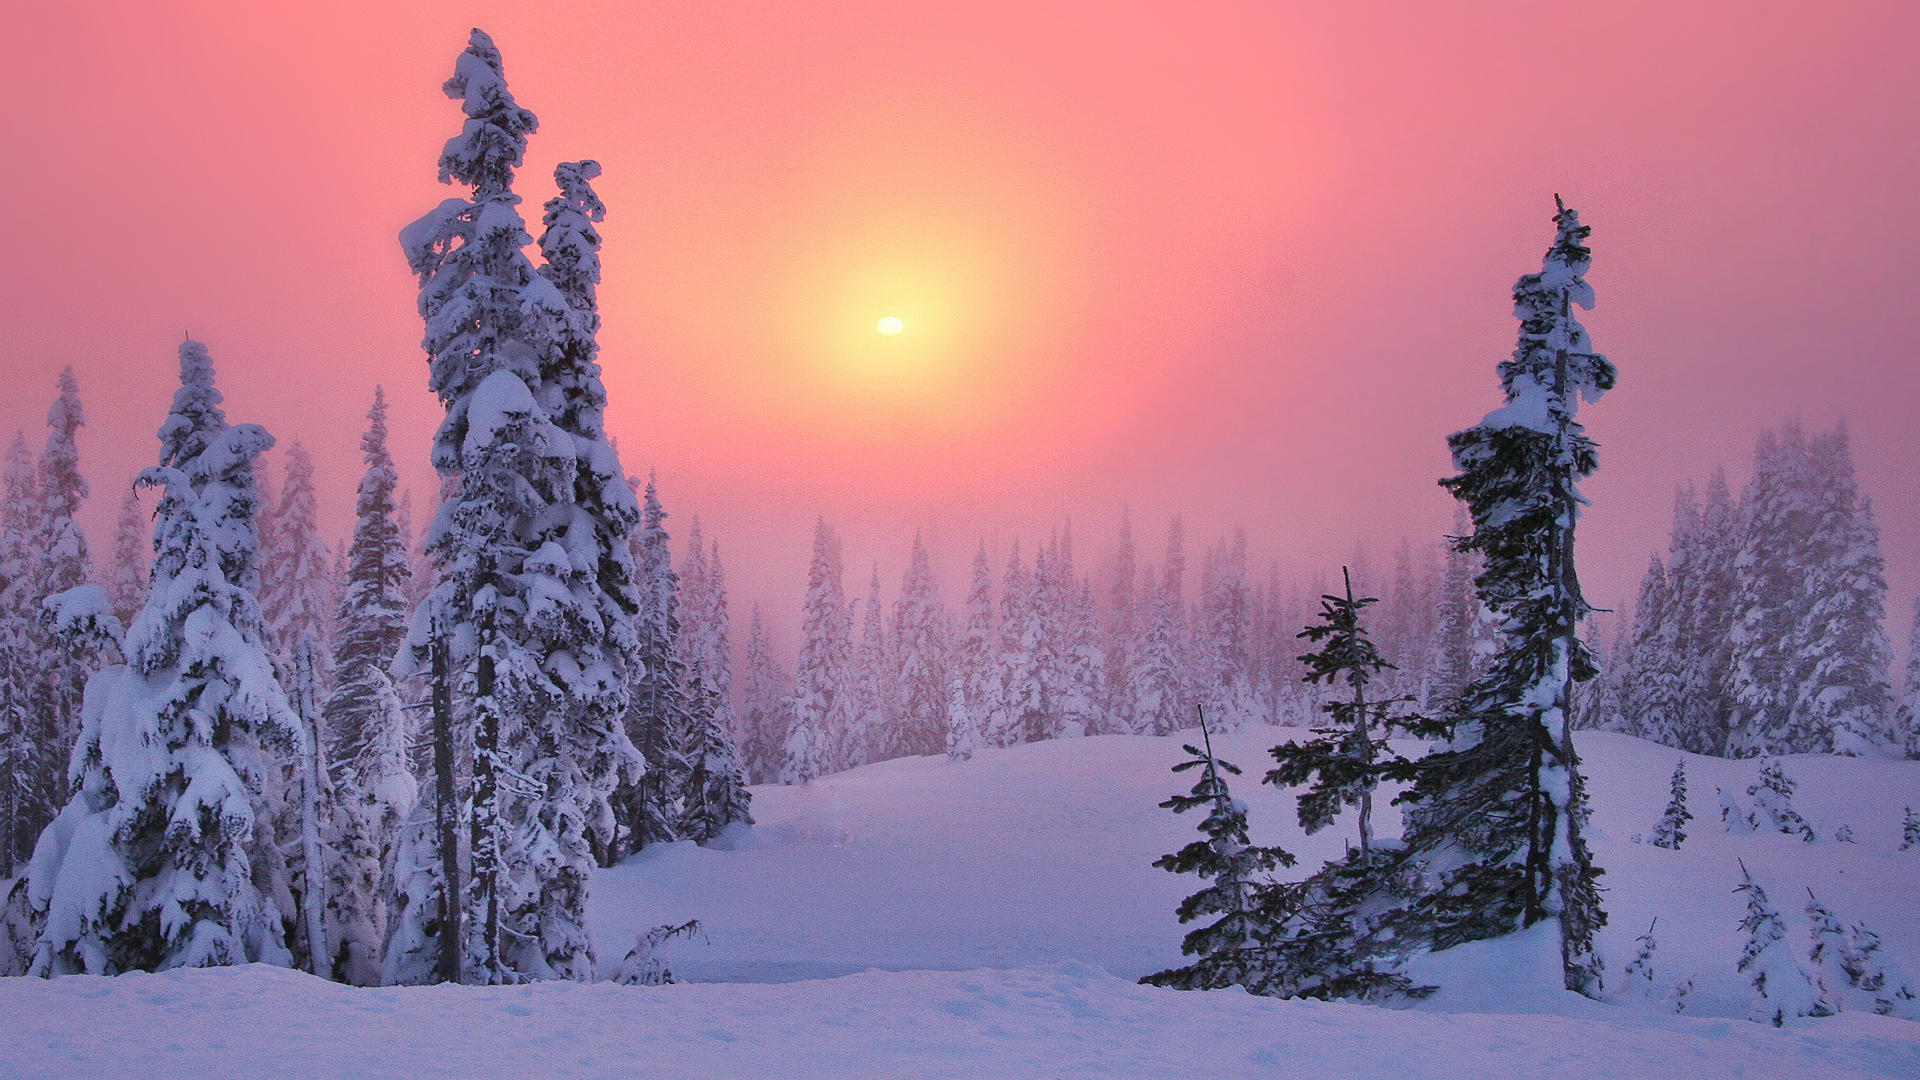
1781 986
1639 971
1770 807
1878 977
1348 758
1671 831
1230 950
1909 830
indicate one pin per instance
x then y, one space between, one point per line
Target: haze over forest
1231 267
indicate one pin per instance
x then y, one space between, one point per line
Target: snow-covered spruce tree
367 733
61 561
1021 707
1781 987
1827 954
659 716
870 687
148 865
973 667
1650 703
1122 620
1909 830
1155 680
1709 613
1225 685
1503 808
1770 807
1907 713
1841 674
1348 758
1074 655
296 570
373 611
1230 950
127 570
527 600
1798 521
598 633
763 709
964 737
1878 977
821 675
1455 664
715 793
922 634
1671 831
1639 971
19 610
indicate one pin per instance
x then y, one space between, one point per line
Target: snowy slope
1009 902
1043 854
1059 1021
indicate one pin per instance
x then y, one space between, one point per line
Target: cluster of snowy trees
247 775
1042 651
1494 813
1762 631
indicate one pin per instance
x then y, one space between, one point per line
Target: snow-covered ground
1008 904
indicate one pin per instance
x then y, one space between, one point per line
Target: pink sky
1245 261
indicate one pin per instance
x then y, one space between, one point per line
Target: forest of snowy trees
1763 631
393 760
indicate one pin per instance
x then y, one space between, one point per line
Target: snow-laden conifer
820 678
870 687
526 549
1877 977
296 569
148 865
1348 758
1501 813
593 526
715 793
1155 679
373 610
1225 685
974 669
1121 629
1022 706
1230 950
659 717
369 775
1671 830
1639 971
1713 549
1841 673
763 709
1459 614
922 642
1782 989
127 569
61 560
1770 804
20 752
1909 830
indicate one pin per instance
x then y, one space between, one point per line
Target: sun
890 325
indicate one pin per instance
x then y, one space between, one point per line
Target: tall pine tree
1503 809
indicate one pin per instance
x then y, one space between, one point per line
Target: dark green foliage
1348 758
1230 949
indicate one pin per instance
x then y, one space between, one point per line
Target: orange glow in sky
1248 261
